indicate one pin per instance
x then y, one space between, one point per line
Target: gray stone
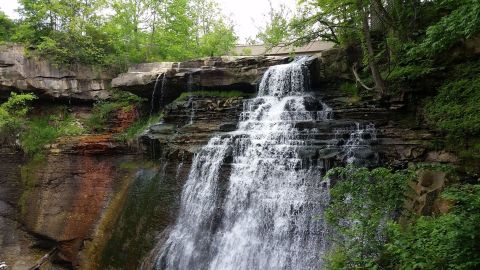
19 73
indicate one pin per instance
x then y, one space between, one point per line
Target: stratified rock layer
19 72
170 79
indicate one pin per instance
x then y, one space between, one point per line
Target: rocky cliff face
167 80
53 203
101 205
19 72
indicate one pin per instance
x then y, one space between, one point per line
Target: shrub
456 109
43 130
103 110
449 241
362 202
13 114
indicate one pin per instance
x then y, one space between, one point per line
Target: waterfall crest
266 215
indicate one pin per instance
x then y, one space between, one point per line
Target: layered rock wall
20 72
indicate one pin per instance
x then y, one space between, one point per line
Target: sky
247 15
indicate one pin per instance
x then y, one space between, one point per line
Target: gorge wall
101 203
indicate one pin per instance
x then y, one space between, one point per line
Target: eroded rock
19 72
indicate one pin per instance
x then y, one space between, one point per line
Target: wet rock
219 73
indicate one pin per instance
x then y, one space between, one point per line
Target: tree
219 40
364 11
7 27
276 29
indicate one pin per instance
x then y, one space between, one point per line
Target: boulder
20 72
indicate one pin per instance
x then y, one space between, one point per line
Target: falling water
355 144
164 80
268 216
190 98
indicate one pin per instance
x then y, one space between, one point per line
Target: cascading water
159 100
268 216
356 148
190 98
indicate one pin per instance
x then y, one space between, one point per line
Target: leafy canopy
121 32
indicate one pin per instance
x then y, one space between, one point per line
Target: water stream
154 97
266 211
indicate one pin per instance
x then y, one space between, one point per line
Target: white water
356 149
159 101
250 201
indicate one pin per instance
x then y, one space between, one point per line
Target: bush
450 241
43 130
103 110
410 72
13 114
362 202
364 211
456 109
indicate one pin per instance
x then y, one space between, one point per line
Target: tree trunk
377 77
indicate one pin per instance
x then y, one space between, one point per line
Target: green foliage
117 33
365 206
28 173
463 22
410 72
7 28
219 41
103 110
276 30
220 94
140 126
352 90
43 130
455 109
449 241
349 88
246 51
13 114
65 32
362 201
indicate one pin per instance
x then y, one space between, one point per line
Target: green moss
221 94
147 210
29 173
139 127
352 90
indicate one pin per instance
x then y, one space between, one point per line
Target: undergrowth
139 127
43 130
103 110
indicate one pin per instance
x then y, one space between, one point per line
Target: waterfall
164 80
254 197
355 144
190 98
